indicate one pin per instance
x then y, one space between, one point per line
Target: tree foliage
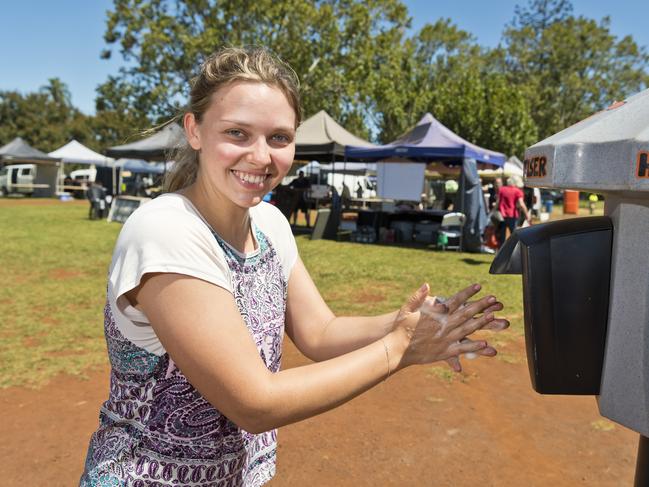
46 119
443 70
353 58
356 59
331 45
568 67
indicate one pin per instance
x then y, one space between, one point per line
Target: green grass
360 278
53 265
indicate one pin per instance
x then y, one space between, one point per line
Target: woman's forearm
440 332
295 394
344 334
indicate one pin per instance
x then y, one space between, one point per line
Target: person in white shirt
203 284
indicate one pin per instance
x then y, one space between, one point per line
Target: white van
17 178
84 175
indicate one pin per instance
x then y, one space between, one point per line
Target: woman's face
246 141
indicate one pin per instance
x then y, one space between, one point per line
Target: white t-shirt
168 234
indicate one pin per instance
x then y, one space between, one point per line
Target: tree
568 67
411 71
485 109
46 119
444 71
120 113
332 45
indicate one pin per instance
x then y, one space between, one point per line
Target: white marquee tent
76 153
512 167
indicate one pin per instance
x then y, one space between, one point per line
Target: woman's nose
261 151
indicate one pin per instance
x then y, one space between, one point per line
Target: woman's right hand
441 331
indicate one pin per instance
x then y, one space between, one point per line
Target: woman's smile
250 180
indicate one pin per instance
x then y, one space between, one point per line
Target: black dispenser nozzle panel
566 270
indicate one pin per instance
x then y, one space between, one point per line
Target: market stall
430 141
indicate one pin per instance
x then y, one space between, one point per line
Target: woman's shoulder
169 206
269 219
272 222
266 210
169 216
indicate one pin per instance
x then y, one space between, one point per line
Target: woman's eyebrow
287 128
236 122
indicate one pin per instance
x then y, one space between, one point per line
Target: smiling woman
244 152
203 284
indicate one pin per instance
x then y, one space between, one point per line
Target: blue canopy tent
139 166
111 175
428 141
431 141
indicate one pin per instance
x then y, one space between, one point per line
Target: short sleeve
164 236
275 226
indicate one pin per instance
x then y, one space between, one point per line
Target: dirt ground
420 428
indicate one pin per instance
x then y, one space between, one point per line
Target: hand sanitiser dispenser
586 280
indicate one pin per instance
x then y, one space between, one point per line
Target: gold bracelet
387 357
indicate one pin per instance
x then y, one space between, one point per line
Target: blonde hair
220 69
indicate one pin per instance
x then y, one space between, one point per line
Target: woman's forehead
245 100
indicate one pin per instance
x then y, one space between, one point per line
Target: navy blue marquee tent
428 141
431 141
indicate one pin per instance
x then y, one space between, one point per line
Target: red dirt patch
30 342
65 353
49 320
484 428
62 274
368 297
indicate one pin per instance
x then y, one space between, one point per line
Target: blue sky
46 39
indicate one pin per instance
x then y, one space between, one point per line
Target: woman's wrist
395 343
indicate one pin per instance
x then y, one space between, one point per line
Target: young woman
205 280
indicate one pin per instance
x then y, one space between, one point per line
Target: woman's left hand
410 312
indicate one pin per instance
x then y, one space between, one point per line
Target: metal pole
461 189
642 463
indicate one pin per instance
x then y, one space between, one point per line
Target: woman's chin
249 201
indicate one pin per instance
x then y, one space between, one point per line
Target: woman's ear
191 131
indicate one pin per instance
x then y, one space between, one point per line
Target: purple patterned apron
157 430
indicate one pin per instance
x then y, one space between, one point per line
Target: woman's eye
235 133
281 138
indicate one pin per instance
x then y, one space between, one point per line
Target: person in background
96 195
451 187
205 281
532 201
592 202
510 204
139 186
359 190
346 196
423 202
301 184
493 193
